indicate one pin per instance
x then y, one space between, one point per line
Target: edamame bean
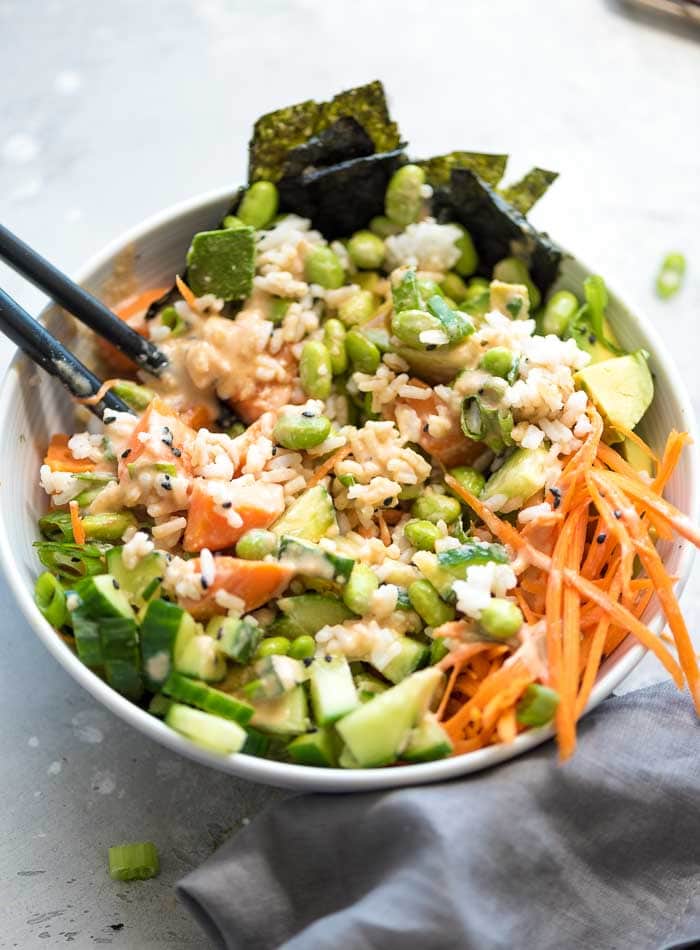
109 526
501 619
469 478
433 507
334 339
511 270
426 602
357 309
272 646
231 222
671 275
277 309
259 204
138 397
368 280
366 250
468 260
537 705
409 325
315 370
422 535
559 311
256 544
498 361
383 227
303 647
170 318
404 199
453 286
323 267
301 431
362 353
357 593
50 598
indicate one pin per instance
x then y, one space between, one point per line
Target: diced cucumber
139 580
438 650
256 743
159 705
309 517
377 733
237 639
286 716
310 560
211 700
312 611
441 579
428 742
284 627
457 560
333 692
413 655
87 639
275 675
314 748
369 686
211 732
201 660
101 596
120 653
166 630
346 760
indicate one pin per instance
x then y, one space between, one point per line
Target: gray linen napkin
603 852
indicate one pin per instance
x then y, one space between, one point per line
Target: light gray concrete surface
111 111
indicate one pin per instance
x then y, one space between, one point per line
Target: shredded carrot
76 523
99 395
328 466
187 295
384 533
675 444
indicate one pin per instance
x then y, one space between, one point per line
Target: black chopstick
86 308
46 351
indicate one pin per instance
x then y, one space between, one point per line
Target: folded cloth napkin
601 852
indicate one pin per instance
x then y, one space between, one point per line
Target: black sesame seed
556 495
167 486
307 661
176 452
108 420
328 658
126 453
203 583
617 513
592 338
75 560
426 428
227 504
167 436
387 501
602 537
431 346
604 570
308 414
274 450
115 583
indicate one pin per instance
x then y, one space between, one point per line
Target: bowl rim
283 774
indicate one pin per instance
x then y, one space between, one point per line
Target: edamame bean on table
394 413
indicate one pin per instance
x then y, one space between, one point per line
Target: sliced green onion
171 318
70 561
50 598
670 278
138 397
133 862
456 325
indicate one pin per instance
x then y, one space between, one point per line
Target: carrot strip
76 523
187 295
328 466
680 522
99 395
675 443
595 655
384 532
571 608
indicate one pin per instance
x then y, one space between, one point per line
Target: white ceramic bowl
33 406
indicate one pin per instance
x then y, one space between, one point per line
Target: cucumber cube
314 748
333 692
211 732
428 742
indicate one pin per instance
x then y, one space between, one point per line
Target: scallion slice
133 862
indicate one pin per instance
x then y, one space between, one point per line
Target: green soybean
358 592
468 260
537 705
498 361
511 270
453 285
671 275
434 508
273 646
303 647
362 353
109 526
259 204
366 250
231 222
559 312
323 267
334 339
277 310
298 431
315 370
501 619
408 325
426 602
422 535
469 478
368 280
403 200
383 227
50 598
256 544
357 309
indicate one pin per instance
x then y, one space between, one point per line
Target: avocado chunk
637 458
377 732
222 263
518 478
621 388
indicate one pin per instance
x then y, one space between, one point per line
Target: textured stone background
111 111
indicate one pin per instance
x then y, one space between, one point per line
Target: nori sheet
341 199
342 140
277 133
499 230
528 191
490 168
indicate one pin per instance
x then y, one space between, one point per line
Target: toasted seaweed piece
499 230
276 134
490 168
341 141
342 198
527 192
